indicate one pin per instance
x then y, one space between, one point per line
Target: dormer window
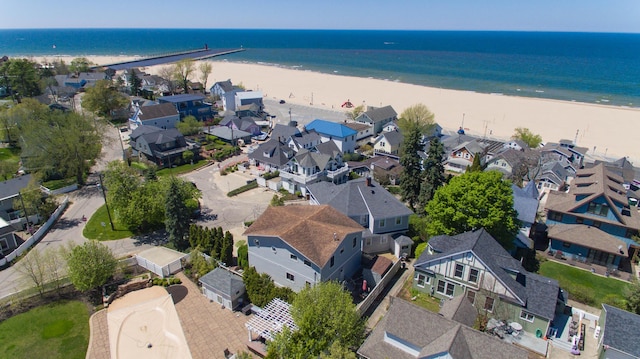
598 209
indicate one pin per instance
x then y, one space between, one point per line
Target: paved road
302 114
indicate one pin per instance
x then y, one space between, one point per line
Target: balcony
339 172
298 178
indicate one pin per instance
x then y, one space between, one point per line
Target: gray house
271 155
378 117
618 334
223 287
304 245
162 147
373 207
410 332
9 193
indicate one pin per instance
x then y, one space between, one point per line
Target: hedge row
249 186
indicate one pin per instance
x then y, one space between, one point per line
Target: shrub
249 186
270 175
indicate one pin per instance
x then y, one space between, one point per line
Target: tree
338 351
476 166
632 296
205 70
200 265
167 73
182 70
472 201
353 114
20 77
243 256
177 215
417 116
324 314
433 174
135 83
121 181
34 267
35 202
529 260
189 126
60 143
80 64
90 265
103 99
525 135
411 176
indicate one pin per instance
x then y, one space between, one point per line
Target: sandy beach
603 129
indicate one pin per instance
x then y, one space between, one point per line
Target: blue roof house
190 105
343 136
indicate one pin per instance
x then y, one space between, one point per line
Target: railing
340 171
300 178
37 235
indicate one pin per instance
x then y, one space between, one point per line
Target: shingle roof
226 86
157 111
588 236
425 333
355 199
533 292
181 98
10 188
621 330
278 153
223 281
328 128
589 185
380 114
309 159
283 131
459 309
525 202
311 230
394 138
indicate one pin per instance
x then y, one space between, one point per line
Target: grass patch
418 298
584 286
181 169
139 165
56 330
57 184
94 230
10 154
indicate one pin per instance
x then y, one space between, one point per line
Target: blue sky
532 15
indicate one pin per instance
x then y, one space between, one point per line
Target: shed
161 261
224 287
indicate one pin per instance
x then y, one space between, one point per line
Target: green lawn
181 169
56 184
94 230
57 330
583 286
418 298
10 154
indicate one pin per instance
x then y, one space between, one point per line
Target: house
388 143
190 105
272 155
565 149
232 100
221 87
9 241
321 163
343 136
552 176
245 124
517 145
377 117
383 169
301 245
229 135
164 147
474 265
593 221
462 156
618 334
525 202
512 163
9 194
379 212
411 332
164 115
306 140
223 287
363 130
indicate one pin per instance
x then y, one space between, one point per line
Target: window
293 257
383 239
341 250
307 263
446 288
382 223
471 296
598 208
333 260
355 240
256 242
459 271
473 275
566 244
398 220
368 241
579 220
630 233
597 224
291 277
421 280
488 304
526 316
555 216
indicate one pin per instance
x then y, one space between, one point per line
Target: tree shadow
178 292
66 223
155 238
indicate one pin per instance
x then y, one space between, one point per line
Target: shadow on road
154 238
66 223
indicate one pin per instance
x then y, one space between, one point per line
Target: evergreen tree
411 176
226 252
135 83
476 166
433 174
176 215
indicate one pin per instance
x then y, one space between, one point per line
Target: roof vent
335 236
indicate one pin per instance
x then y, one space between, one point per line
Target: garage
161 261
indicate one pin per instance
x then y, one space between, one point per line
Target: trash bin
538 333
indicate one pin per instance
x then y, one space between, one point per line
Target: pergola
270 320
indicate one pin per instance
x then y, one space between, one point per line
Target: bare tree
33 266
167 74
182 70
55 264
205 70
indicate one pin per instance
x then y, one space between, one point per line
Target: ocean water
586 67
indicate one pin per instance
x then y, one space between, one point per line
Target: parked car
282 102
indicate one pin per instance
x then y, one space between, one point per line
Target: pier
198 54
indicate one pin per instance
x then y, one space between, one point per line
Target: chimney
335 236
368 181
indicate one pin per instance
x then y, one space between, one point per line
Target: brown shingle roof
309 229
588 236
157 111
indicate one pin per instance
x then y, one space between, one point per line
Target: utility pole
105 202
24 209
